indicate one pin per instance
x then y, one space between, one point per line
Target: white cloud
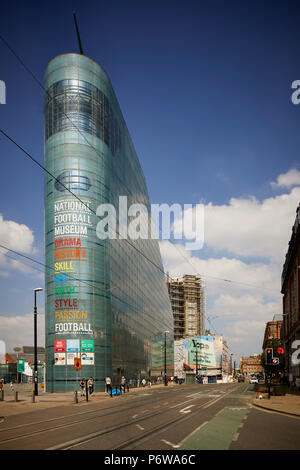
17 237
178 261
250 228
287 180
18 330
251 239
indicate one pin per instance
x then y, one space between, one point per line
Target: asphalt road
183 417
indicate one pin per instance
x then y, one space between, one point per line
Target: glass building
106 299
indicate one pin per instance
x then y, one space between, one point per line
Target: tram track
108 411
144 435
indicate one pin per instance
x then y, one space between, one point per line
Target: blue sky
205 89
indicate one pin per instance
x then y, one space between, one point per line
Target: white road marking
186 409
175 446
140 427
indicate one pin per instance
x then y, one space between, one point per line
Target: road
179 417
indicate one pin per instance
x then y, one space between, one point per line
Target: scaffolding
188 304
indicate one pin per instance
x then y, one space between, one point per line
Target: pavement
44 400
288 404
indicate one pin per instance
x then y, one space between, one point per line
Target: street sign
77 363
21 365
275 360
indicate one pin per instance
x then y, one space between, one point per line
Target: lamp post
166 381
231 363
39 289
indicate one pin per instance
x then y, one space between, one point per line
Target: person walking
82 387
11 384
144 382
108 386
123 384
91 385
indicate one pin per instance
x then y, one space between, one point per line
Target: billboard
201 350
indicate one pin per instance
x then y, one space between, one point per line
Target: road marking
175 446
195 394
186 409
140 427
134 416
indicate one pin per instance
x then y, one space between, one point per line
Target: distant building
273 330
27 353
188 304
251 365
290 284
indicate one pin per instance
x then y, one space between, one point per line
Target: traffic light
280 355
269 356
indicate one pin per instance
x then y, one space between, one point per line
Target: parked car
253 380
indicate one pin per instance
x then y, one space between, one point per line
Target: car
253 380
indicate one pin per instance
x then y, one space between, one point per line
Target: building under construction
187 298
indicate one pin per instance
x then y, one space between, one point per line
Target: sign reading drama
60 345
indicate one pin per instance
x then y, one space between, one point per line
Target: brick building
290 284
251 365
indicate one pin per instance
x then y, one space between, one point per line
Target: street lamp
39 289
166 381
231 363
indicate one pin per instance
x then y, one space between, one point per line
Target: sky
205 89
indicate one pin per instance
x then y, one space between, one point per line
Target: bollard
16 396
75 397
2 395
33 397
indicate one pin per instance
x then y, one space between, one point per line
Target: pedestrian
144 383
91 385
123 384
82 387
108 386
1 385
11 384
149 383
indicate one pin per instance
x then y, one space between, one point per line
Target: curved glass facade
106 303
